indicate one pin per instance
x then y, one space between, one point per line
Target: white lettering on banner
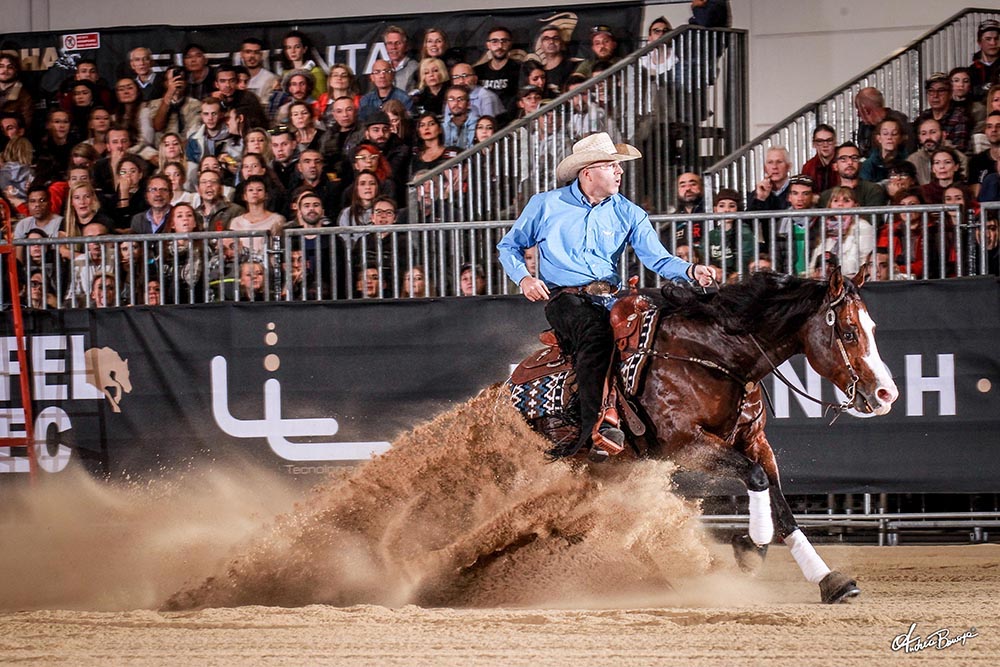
82 389
276 430
378 52
352 55
9 365
781 392
917 385
42 365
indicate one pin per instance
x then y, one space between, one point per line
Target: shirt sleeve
651 252
521 236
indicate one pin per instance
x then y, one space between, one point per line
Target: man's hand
534 289
703 275
763 189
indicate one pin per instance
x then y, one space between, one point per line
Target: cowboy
581 230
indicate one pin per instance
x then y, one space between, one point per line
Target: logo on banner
108 373
276 429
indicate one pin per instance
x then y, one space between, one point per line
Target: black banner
303 387
354 41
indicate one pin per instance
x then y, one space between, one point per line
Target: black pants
584 331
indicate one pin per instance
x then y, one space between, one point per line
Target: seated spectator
296 86
200 77
888 149
397 46
990 248
341 137
56 144
242 102
486 127
690 200
83 99
435 45
14 97
500 73
102 291
848 166
661 60
367 157
311 174
821 167
399 123
286 155
127 197
40 214
85 267
482 102
431 87
98 126
415 284
297 53
791 246
604 45
471 281
961 96
850 237
762 263
175 171
253 277
930 138
212 136
551 47
985 163
254 164
38 292
257 217
379 249
533 74
945 170
383 89
262 81
429 148
307 132
823 265
128 107
870 104
985 67
215 210
730 243
150 83
902 177
378 131
158 195
586 116
15 169
955 124
771 193
370 284
83 208
359 212
460 119
529 100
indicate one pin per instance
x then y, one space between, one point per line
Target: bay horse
701 402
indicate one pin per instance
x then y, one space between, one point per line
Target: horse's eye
850 336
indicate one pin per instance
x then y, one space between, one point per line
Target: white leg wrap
812 566
761 526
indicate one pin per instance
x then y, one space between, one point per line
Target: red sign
82 41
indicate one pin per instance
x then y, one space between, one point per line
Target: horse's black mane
771 305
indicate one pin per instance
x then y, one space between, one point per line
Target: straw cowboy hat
591 150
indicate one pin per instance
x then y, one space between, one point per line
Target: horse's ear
836 283
861 275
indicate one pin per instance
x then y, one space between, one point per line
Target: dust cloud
465 511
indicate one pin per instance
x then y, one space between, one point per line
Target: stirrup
609 439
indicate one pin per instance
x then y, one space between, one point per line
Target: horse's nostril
884 395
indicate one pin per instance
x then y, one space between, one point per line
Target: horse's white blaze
761 526
883 377
812 566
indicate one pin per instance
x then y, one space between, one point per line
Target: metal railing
899 77
459 259
681 100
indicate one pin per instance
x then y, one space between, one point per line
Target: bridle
851 393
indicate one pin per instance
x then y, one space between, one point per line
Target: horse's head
840 345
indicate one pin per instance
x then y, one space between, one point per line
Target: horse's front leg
834 586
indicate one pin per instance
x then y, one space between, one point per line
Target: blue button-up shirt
579 243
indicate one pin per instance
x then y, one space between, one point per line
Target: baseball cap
987 26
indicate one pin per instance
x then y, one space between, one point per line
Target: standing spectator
820 167
14 97
500 72
262 80
201 77
961 96
985 67
604 45
140 61
955 124
848 164
870 104
383 90
771 193
397 46
431 87
297 53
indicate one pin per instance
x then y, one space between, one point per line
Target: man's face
775 166
283 145
689 188
992 236
989 44
939 95
211 116
726 206
310 165
252 56
195 61
529 102
882 265
929 136
603 45
378 134
141 62
87 72
209 186
298 87
993 130
7 71
118 142
603 179
310 211
158 193
498 44
345 113
848 162
395 46
800 197
382 75
552 43
463 74
383 213
225 83
458 102
11 128
38 205
824 143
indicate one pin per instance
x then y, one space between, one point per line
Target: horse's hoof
838 587
749 556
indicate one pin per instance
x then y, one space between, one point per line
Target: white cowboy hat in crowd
591 150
